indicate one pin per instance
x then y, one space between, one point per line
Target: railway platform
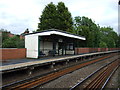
14 65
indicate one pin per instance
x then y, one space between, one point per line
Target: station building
51 42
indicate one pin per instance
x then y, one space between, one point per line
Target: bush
13 42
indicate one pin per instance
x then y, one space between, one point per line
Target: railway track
51 76
99 78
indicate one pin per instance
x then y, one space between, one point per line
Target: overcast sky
17 15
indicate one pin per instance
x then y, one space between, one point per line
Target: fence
13 53
90 50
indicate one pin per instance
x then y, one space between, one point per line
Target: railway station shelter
50 43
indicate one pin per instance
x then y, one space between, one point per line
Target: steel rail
101 77
89 76
109 77
97 82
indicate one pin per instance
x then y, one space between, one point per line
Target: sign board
60 40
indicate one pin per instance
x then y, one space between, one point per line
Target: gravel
114 80
71 79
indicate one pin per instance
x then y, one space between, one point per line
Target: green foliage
11 42
109 36
96 36
48 17
21 43
64 17
86 27
55 16
102 44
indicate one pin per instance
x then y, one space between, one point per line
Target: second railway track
99 78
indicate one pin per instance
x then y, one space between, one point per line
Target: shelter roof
56 32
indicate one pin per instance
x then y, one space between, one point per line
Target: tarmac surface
17 61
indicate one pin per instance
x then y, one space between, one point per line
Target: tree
102 44
64 17
55 16
109 36
86 27
48 18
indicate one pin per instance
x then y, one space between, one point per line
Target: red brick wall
90 50
81 50
99 49
13 53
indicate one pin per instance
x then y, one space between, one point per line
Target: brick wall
81 50
13 53
90 50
